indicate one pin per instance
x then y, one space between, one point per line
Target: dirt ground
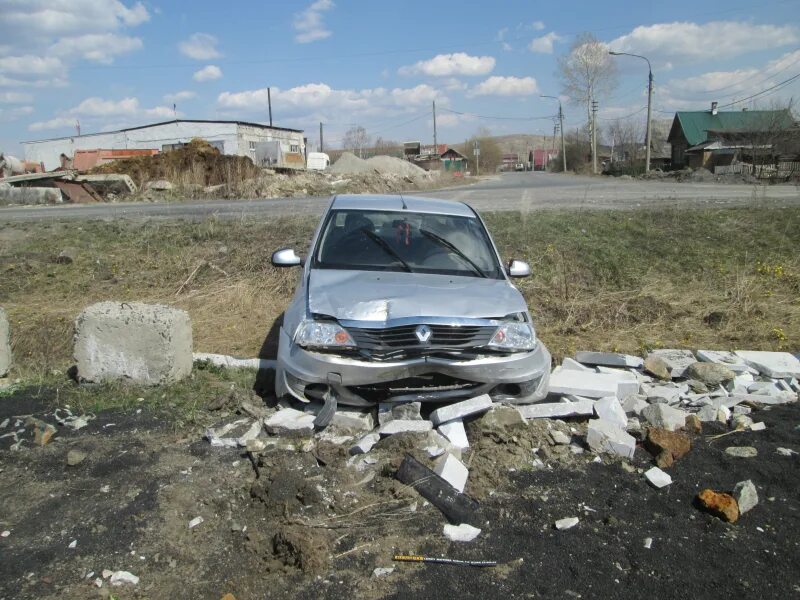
314 524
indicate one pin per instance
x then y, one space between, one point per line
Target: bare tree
356 140
586 72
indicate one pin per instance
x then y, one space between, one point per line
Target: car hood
384 296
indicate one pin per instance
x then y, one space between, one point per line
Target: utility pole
594 136
269 103
435 147
321 143
561 126
649 103
477 153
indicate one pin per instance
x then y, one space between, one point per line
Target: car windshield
406 241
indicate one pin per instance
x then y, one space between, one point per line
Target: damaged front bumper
517 378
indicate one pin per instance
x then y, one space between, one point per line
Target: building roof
695 124
246 123
413 204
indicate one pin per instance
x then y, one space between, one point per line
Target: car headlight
323 334
514 336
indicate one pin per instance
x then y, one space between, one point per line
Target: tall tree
356 140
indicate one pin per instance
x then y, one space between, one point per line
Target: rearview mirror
518 268
286 257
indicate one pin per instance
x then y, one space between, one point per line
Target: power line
495 117
739 82
624 116
783 83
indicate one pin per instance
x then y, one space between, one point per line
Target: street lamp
649 102
561 123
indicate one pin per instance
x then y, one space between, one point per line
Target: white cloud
30 65
537 26
54 123
97 47
451 84
33 18
544 44
698 91
447 65
14 113
200 46
506 86
14 98
310 25
501 37
207 73
179 96
96 112
689 42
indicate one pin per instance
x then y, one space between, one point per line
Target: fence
783 169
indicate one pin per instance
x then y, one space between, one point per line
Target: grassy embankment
621 280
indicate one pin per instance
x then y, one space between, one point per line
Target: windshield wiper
443 242
386 247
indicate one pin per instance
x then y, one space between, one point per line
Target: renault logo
423 333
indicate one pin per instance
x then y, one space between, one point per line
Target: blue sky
118 63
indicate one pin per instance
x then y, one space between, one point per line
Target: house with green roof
709 138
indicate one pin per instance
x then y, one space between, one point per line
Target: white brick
665 417
455 433
658 478
462 409
609 359
556 409
345 418
606 437
452 471
404 426
591 385
609 409
365 444
772 364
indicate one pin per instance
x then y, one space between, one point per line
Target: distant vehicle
406 299
318 161
519 167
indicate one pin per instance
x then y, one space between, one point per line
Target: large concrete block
462 409
592 385
677 360
550 410
147 344
608 359
772 364
5 344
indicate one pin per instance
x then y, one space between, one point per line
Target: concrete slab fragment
591 385
608 438
665 417
349 419
404 426
365 444
460 410
609 359
289 420
609 409
551 410
723 357
461 533
147 344
389 410
455 433
574 365
658 478
772 364
452 471
678 360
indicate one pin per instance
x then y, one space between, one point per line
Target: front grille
398 342
430 383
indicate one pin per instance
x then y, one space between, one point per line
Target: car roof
415 204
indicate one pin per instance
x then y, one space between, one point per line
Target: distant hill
521 143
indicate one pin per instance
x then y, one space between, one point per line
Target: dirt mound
396 166
349 163
197 163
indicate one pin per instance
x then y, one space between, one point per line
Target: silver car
406 299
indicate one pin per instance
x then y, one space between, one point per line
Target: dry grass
602 280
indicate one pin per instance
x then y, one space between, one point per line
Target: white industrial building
230 137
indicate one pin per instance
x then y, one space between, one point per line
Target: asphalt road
510 191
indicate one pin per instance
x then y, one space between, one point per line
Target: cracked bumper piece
518 378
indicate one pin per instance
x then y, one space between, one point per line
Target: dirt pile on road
198 163
350 164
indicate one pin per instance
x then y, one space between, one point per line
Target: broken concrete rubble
566 523
461 533
365 444
351 420
460 410
574 365
725 358
658 478
664 417
556 409
677 360
608 359
409 411
609 409
712 374
746 496
657 367
290 421
608 438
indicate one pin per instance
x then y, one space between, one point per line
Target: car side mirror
286 257
518 268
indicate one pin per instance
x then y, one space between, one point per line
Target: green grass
602 280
